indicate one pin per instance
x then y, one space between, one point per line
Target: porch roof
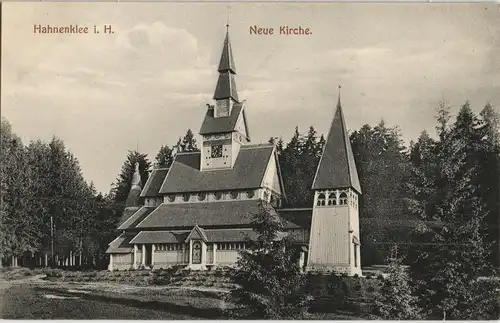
223 235
121 244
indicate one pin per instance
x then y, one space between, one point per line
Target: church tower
334 241
134 196
225 127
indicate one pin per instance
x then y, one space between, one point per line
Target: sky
148 82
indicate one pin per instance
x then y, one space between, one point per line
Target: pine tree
188 143
383 169
490 178
123 183
454 256
396 300
269 280
19 231
165 157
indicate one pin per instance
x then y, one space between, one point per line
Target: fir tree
123 183
396 300
269 280
188 143
454 256
165 157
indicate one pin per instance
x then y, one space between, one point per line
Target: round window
171 198
217 195
234 195
250 194
202 196
185 197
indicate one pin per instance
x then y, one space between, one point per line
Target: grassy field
79 295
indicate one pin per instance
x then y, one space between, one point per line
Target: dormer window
234 195
250 194
217 195
216 151
171 198
202 196
186 197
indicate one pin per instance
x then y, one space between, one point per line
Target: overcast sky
149 81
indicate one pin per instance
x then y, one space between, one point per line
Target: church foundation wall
123 261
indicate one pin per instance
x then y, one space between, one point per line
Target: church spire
337 168
133 198
226 85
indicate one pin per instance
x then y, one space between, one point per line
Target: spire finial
338 102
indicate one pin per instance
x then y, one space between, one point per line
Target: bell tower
225 126
334 242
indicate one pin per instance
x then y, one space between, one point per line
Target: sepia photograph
250 161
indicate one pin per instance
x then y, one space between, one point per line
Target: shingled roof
223 124
226 59
160 237
153 184
248 171
336 168
203 214
121 244
135 218
180 236
299 218
226 85
133 198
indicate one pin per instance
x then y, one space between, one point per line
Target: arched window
250 194
321 199
217 195
332 199
202 196
343 199
186 197
171 198
234 194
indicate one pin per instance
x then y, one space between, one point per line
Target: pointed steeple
337 168
226 85
133 198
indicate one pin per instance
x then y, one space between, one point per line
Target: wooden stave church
198 212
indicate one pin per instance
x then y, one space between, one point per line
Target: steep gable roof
197 233
153 184
336 168
135 218
249 168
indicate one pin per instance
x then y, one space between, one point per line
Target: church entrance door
196 252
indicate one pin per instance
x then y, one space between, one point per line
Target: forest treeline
407 189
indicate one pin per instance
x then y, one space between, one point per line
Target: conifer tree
396 300
490 178
454 257
165 157
269 279
188 143
123 183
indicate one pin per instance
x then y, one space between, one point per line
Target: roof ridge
262 145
